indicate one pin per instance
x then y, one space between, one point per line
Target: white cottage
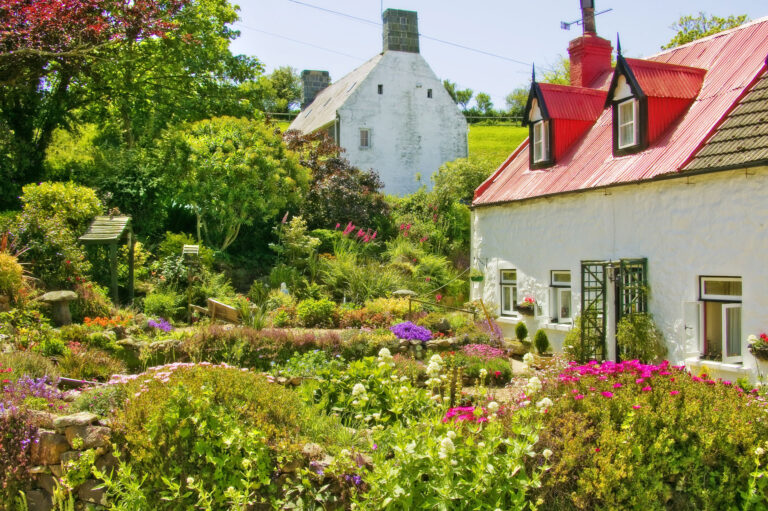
391 114
652 175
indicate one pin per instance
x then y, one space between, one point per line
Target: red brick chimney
590 54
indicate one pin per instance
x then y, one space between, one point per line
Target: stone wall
63 439
312 83
401 31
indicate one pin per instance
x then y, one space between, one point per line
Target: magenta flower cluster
365 236
464 413
483 351
409 331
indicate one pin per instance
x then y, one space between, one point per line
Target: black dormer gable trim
623 69
535 93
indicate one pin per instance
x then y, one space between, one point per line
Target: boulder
313 451
92 491
76 419
516 348
49 448
47 482
106 463
87 437
70 456
41 419
37 500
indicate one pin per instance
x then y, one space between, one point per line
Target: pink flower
617 385
285 217
578 396
605 393
674 392
636 407
337 226
438 297
597 449
360 233
640 380
646 389
428 279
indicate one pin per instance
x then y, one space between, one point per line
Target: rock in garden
37 500
59 300
41 419
91 491
106 463
515 348
47 482
87 436
312 451
68 456
76 419
49 448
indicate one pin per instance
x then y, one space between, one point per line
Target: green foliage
166 304
90 364
576 348
308 364
638 337
173 243
493 144
560 72
516 101
51 346
358 279
541 341
27 363
284 91
53 216
434 465
316 313
295 246
458 179
521 331
689 28
233 171
664 441
11 275
100 400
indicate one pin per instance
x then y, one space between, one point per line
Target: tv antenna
566 25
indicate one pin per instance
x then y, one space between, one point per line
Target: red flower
438 297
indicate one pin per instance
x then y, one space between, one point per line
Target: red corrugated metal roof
732 59
575 103
664 80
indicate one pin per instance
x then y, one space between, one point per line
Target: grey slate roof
322 111
742 139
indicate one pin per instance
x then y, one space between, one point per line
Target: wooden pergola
113 231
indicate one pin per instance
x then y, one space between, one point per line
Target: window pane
733 331
508 275
506 299
363 138
627 135
722 287
561 277
565 304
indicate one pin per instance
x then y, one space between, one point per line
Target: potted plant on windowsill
527 306
475 275
758 346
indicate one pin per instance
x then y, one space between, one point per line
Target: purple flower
409 331
160 324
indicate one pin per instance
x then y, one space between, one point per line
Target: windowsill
717 366
512 318
560 327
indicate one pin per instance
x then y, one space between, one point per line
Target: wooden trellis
113 231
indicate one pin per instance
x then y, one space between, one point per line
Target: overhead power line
443 41
300 42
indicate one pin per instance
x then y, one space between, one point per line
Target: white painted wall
410 133
714 224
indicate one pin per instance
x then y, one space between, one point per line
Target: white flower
493 407
752 339
528 359
759 451
546 453
524 404
483 373
403 390
359 416
384 353
451 435
446 448
436 359
358 390
533 386
433 369
544 403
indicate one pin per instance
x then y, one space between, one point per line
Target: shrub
316 313
202 436
166 304
100 400
521 331
409 331
173 243
92 301
541 341
395 307
309 364
636 436
90 364
638 337
27 363
277 298
51 346
11 275
576 348
364 343
17 438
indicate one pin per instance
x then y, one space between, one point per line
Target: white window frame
508 282
729 302
540 141
368 143
633 122
710 297
557 290
735 358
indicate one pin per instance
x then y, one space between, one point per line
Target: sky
518 33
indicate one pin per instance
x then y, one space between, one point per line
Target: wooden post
131 244
113 271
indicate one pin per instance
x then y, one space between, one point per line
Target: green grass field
494 143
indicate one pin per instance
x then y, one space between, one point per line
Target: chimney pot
400 30
313 82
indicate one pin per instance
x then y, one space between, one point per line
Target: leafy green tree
560 73
450 87
463 97
484 103
457 180
231 172
285 85
516 101
689 28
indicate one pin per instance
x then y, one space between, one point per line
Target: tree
286 87
46 48
231 172
516 101
689 28
457 180
560 73
450 87
463 97
338 192
484 103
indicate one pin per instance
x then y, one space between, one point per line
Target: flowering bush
633 435
17 438
409 331
161 324
758 346
316 313
483 351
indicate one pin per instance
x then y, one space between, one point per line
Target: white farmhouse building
391 114
650 176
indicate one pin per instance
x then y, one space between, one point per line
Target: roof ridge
712 36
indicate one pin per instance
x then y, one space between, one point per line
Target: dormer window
627 120
540 141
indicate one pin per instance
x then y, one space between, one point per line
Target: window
381 88
560 296
721 297
429 93
540 141
627 119
508 292
365 138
